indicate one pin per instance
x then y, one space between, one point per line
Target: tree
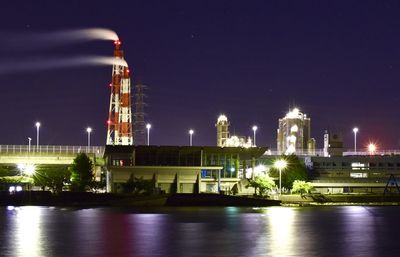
295 170
54 177
81 173
262 183
139 185
302 187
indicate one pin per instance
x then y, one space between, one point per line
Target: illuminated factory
223 136
293 135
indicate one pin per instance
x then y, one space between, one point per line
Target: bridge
47 154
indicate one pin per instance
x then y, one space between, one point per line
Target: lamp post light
371 148
355 130
191 132
280 165
148 127
254 134
88 130
29 144
37 135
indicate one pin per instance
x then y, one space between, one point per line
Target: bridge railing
65 149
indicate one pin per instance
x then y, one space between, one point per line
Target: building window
358 175
358 166
209 174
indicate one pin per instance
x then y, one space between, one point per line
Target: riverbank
340 199
76 199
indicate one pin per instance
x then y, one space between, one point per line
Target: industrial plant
225 167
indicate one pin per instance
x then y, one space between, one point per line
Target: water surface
230 231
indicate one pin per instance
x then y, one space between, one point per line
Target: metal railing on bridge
64 149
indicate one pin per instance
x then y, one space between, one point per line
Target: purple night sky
338 61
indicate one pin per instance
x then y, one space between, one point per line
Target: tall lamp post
191 132
254 134
29 144
355 130
148 127
37 135
88 130
280 165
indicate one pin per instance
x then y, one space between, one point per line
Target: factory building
224 139
354 173
181 169
333 144
222 126
293 134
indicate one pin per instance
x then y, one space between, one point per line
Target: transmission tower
139 124
119 121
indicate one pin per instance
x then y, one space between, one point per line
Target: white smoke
37 40
9 67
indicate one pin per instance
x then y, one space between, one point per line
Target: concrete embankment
340 199
218 200
77 199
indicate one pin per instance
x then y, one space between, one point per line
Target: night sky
338 61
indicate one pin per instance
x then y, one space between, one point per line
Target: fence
64 149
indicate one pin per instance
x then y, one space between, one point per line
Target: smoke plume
40 40
9 67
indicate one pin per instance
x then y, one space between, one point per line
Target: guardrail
65 149
316 152
320 152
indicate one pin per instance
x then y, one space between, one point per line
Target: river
230 231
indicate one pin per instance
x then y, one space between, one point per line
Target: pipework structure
119 131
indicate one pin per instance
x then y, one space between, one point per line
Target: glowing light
148 126
280 221
30 169
191 132
294 114
27 169
21 166
255 128
355 130
371 148
89 129
235 141
222 118
108 122
28 234
37 124
294 129
280 164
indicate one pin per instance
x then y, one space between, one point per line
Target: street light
148 127
355 130
37 135
29 144
371 148
88 130
191 132
280 165
254 134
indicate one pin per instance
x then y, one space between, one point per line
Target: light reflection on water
274 231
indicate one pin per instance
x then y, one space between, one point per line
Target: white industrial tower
222 130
